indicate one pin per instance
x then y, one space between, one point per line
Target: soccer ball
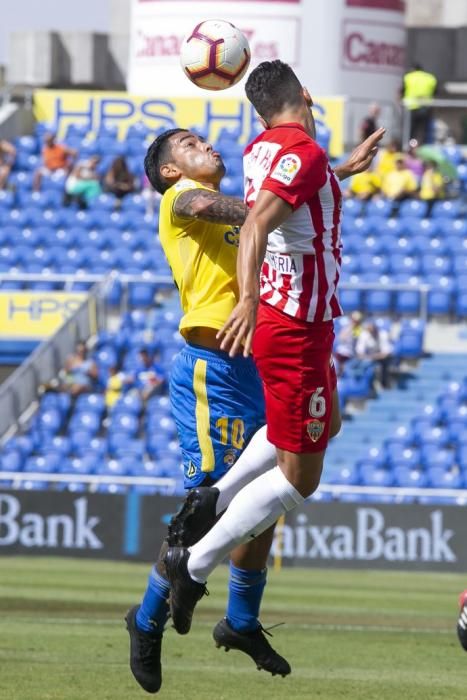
215 55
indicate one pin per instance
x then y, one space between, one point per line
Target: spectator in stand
57 159
419 86
374 345
413 162
119 180
432 185
399 184
387 157
80 372
83 183
116 382
370 122
150 377
7 160
150 196
364 185
346 341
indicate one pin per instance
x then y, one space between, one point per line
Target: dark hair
271 87
158 154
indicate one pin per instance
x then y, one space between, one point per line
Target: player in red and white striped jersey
288 270
301 268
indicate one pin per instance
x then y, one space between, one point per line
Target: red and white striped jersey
301 268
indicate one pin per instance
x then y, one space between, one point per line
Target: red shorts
294 360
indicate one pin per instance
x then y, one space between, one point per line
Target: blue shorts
218 404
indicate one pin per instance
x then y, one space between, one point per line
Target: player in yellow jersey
217 401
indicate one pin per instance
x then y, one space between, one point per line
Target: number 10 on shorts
234 427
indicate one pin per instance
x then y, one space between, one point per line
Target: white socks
255 508
258 457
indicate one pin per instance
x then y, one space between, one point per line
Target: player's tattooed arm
210 206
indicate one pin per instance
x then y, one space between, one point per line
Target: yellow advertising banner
35 315
61 108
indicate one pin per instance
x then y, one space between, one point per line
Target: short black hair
158 154
271 87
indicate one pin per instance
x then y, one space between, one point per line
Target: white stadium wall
352 48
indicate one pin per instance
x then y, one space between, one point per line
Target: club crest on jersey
315 429
229 458
287 168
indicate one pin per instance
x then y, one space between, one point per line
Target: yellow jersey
366 183
203 259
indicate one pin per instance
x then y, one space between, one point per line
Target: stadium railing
436 104
335 490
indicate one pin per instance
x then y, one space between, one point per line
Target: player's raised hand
237 331
362 156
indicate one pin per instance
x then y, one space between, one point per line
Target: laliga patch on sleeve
287 168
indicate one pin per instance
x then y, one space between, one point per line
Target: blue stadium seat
114 467
404 263
352 207
378 301
452 227
407 302
413 207
409 345
370 476
50 420
91 402
461 305
436 264
11 461
125 423
129 403
434 456
141 294
46 463
401 456
447 208
440 478
85 420
440 298
409 478
379 207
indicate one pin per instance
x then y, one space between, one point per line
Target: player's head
275 91
181 153
49 138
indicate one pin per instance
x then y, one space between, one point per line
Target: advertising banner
337 535
158 28
35 315
67 524
61 108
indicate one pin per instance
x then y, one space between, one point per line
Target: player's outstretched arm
269 212
210 206
361 157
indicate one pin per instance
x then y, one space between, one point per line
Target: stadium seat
409 478
413 207
446 209
440 478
